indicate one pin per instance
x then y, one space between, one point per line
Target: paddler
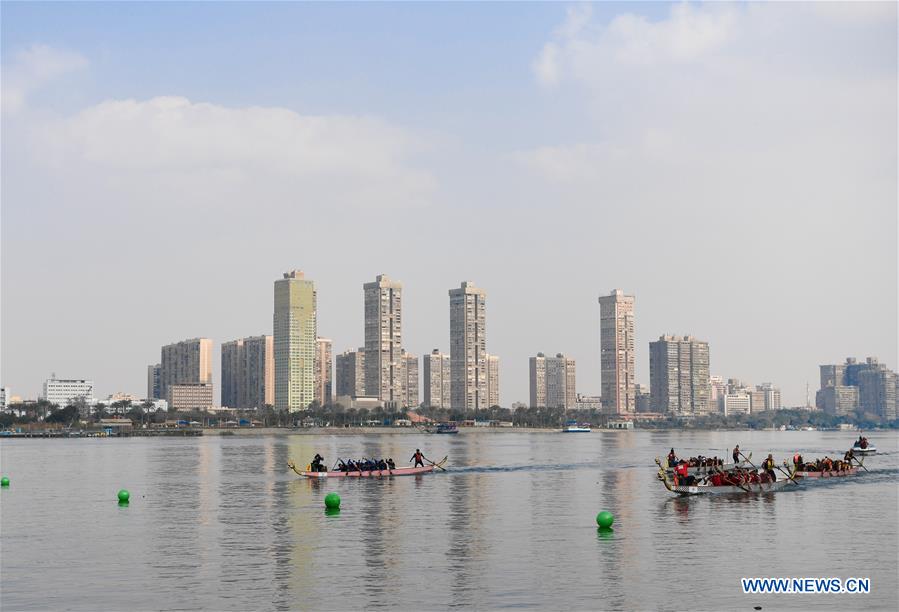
390 464
672 459
768 466
736 454
418 458
797 461
849 456
317 463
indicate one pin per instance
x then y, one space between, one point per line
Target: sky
734 166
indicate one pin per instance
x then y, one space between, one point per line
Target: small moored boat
444 428
575 427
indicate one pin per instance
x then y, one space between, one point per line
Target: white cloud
192 144
31 69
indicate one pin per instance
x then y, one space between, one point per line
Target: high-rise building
154 381
468 347
616 341
868 386
64 391
410 380
259 371
837 400
232 373
294 341
537 371
492 381
384 339
679 375
248 372
323 371
350 373
185 362
436 376
877 392
717 390
552 382
771 396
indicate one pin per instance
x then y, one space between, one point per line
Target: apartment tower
436 377
468 347
323 371
679 376
188 362
294 341
616 342
384 339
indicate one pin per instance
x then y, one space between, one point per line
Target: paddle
860 463
436 465
790 476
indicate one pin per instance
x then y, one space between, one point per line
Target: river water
218 523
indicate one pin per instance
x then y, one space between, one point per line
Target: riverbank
356 431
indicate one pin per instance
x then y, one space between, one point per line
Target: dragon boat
734 484
705 470
404 471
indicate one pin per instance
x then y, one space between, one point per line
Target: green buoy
124 496
605 519
332 501
332 511
4 482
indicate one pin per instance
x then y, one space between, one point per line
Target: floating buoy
605 519
332 511
4 482
124 496
332 501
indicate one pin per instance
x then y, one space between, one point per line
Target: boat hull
706 470
766 487
370 474
864 451
576 430
827 474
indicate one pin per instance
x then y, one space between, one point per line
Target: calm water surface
218 523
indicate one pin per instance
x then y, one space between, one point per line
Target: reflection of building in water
468 504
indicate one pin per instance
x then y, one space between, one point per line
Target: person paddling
418 458
768 466
736 454
672 459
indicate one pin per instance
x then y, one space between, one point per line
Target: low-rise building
190 396
64 391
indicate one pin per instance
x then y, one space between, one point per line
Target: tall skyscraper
436 376
294 341
553 382
185 362
537 371
410 380
616 343
232 373
679 375
468 347
350 373
492 381
323 371
154 381
383 339
248 372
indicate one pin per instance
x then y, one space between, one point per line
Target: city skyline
744 210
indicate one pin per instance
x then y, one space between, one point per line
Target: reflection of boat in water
444 428
405 471
575 427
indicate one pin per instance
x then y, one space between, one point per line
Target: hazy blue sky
733 166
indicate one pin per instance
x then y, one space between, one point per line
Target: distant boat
444 428
575 427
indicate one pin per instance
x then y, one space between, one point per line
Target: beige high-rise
410 380
323 371
384 340
294 341
553 382
492 381
468 347
436 376
679 379
248 372
616 342
185 362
